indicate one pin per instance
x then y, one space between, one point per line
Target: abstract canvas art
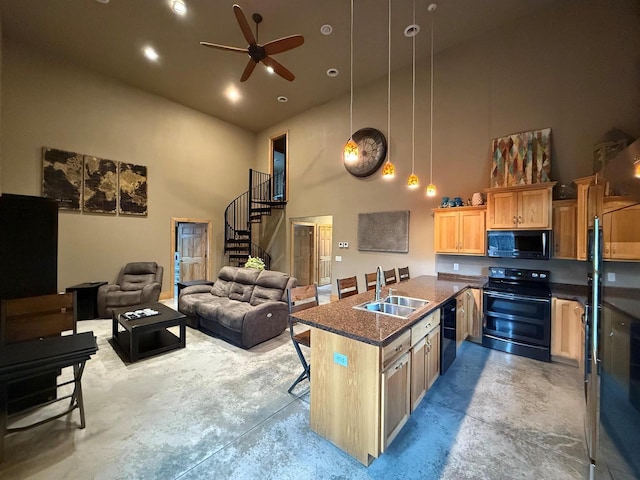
100 192
62 178
132 185
521 158
384 232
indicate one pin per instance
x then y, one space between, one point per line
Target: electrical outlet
346 244
340 244
456 267
611 277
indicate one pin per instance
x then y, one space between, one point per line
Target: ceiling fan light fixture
179 7
270 69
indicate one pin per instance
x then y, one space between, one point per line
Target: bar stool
347 286
370 281
403 274
390 277
301 298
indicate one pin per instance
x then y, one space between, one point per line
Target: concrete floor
214 411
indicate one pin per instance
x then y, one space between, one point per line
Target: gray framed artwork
62 178
384 232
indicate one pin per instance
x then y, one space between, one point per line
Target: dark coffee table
144 337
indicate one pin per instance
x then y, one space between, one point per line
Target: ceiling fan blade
248 70
244 25
283 44
279 69
224 47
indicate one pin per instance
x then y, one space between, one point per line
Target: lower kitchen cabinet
566 329
469 316
425 356
396 398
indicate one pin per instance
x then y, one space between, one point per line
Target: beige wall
196 164
572 68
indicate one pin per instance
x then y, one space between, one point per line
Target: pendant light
389 170
431 188
351 147
412 181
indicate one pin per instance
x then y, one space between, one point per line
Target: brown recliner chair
138 282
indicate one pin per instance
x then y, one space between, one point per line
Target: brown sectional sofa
245 306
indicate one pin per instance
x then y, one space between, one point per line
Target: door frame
174 225
314 260
272 138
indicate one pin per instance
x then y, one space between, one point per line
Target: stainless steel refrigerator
612 338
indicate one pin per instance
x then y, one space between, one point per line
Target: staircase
246 209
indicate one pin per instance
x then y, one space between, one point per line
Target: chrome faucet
378 282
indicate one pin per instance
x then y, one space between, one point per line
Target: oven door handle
513 296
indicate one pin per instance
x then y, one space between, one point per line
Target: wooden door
501 210
445 231
303 251
564 229
472 233
433 356
325 234
192 245
534 208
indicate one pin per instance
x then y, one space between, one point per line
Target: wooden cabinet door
433 356
624 233
472 234
462 323
565 329
445 232
501 210
418 372
564 229
581 217
396 399
474 313
534 209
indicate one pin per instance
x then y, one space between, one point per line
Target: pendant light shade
431 188
413 182
351 148
389 170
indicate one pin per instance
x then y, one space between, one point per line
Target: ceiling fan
257 52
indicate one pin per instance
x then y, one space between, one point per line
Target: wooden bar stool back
347 287
403 274
370 281
390 277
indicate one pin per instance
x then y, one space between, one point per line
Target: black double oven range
517 312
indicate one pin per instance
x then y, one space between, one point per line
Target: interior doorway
278 161
190 240
311 240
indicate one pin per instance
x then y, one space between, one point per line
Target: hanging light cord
413 106
431 110
351 70
389 91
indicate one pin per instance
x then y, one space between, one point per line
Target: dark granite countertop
377 329
625 300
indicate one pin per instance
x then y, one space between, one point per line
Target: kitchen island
363 386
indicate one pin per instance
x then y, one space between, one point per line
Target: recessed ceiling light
333 72
151 53
411 30
270 69
233 94
326 29
103 1
283 99
179 7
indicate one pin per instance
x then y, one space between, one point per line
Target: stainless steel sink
391 309
406 301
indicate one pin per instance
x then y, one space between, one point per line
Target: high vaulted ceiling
109 38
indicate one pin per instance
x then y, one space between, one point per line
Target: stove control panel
502 273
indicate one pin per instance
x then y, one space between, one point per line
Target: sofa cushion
222 285
232 315
243 283
270 286
209 308
188 303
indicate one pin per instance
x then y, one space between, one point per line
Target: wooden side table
87 298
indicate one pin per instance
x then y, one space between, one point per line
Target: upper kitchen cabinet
621 229
525 207
459 230
564 229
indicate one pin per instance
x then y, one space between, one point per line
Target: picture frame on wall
62 178
100 191
132 187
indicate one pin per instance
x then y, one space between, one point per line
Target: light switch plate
611 277
456 266
338 258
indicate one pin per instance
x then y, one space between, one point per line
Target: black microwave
529 244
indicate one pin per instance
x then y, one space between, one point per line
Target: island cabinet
566 330
564 229
525 207
425 356
460 230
